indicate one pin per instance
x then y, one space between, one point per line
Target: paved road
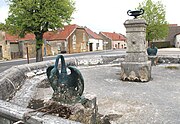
7 64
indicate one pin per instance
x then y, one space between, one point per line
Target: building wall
96 44
177 41
107 43
119 44
48 50
5 47
14 47
31 47
1 40
81 41
15 50
57 46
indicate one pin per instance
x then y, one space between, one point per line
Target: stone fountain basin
18 84
156 101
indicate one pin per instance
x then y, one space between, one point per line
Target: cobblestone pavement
153 102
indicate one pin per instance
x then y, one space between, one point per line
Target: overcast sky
108 15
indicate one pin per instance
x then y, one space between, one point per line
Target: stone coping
15 113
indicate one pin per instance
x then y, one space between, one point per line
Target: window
74 41
84 37
97 46
83 46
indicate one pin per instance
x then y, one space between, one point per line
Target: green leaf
37 16
157 26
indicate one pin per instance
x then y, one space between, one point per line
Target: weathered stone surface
134 71
30 74
135 33
87 112
136 66
136 57
27 91
16 113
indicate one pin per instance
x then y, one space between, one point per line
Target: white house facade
95 44
121 44
177 41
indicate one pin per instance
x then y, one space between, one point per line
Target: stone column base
136 71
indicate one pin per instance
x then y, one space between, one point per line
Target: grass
172 67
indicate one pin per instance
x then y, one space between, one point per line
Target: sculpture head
53 73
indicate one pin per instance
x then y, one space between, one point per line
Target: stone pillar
136 66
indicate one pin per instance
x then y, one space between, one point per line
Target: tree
154 15
37 16
1 26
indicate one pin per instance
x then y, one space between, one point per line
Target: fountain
136 66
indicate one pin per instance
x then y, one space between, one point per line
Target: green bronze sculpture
67 88
152 51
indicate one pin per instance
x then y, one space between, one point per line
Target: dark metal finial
135 13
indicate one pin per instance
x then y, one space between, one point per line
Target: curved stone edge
12 79
15 113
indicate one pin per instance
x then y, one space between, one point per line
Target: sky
108 15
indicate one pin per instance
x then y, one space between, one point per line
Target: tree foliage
154 15
37 16
1 26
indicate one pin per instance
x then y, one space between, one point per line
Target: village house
70 39
4 47
177 40
95 42
14 47
172 38
174 31
113 40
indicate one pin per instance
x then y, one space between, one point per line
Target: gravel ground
153 102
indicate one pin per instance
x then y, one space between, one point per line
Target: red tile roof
173 25
12 38
114 36
62 34
93 34
15 38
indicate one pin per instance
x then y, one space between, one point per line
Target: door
0 52
90 46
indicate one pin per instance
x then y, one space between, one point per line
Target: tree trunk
39 43
149 43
